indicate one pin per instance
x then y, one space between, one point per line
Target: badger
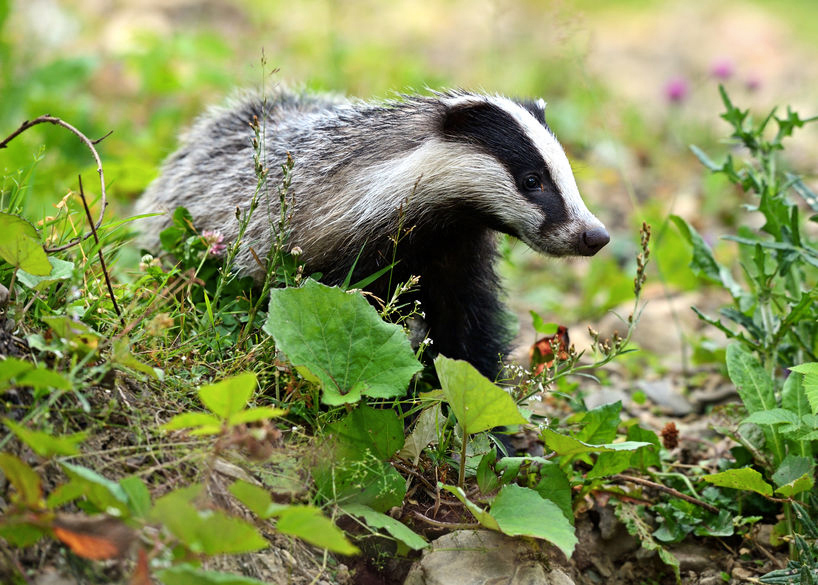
451 169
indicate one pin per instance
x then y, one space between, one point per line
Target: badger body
450 169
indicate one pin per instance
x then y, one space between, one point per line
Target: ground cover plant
162 417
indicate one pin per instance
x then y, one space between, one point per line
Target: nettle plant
772 319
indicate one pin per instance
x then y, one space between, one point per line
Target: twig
99 253
668 490
90 144
447 525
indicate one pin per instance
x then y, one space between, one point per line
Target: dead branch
90 144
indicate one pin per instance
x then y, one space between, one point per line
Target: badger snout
593 240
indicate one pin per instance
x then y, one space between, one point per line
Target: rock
481 557
664 395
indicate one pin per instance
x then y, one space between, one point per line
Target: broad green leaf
256 498
428 427
541 519
44 444
19 533
644 457
10 368
555 486
754 384
746 478
540 326
610 463
42 378
361 478
204 531
810 373
368 429
794 475
483 517
378 520
201 422
256 414
566 446
477 404
60 270
190 575
774 416
231 395
24 480
139 498
342 340
100 491
599 425
704 264
123 356
310 525
20 245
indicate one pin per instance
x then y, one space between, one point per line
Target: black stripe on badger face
500 135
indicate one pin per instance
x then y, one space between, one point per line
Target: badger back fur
454 167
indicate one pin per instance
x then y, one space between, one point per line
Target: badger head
524 186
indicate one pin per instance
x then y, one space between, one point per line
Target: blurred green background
629 84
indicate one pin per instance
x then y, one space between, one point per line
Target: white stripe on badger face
554 156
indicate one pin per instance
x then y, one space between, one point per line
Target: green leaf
190 575
428 427
540 326
810 373
139 498
44 444
610 463
599 425
342 340
20 245
646 456
753 382
483 517
122 356
521 511
794 475
774 416
703 263
477 404
566 446
555 486
231 395
256 414
203 423
704 159
208 531
368 429
746 478
24 480
397 529
310 525
60 270
103 493
256 498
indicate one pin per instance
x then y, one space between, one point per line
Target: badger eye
532 182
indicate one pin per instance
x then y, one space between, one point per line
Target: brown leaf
142 573
541 353
94 537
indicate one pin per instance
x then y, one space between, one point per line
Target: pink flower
214 241
722 69
676 90
753 83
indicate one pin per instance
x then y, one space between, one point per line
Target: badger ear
464 119
537 109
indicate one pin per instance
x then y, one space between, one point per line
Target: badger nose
592 241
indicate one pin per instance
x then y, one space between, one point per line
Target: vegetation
163 410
